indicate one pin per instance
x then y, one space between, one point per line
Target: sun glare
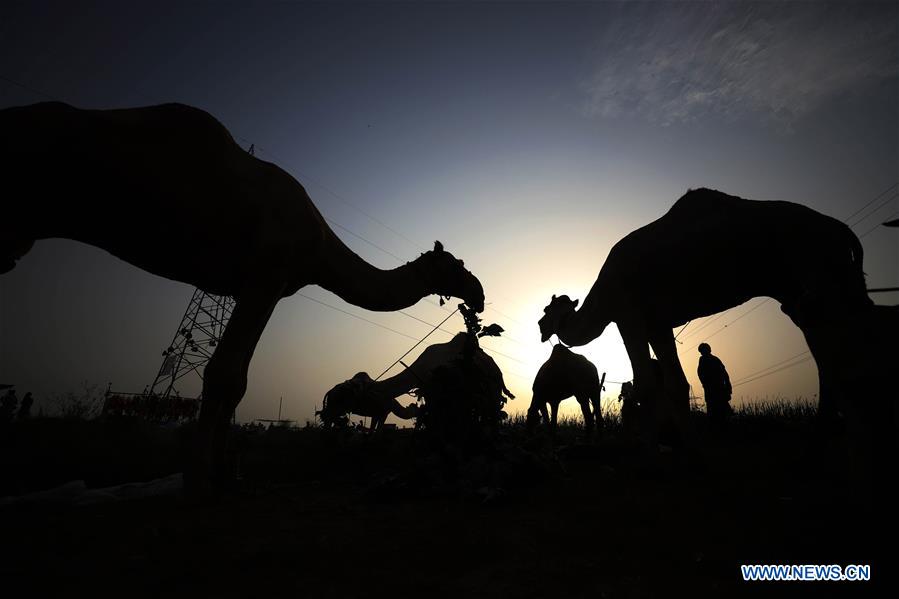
607 353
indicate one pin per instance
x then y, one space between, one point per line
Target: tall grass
779 408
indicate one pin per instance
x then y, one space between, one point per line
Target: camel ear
554 297
438 247
575 303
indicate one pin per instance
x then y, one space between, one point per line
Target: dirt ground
353 515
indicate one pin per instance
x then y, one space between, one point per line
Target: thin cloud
778 62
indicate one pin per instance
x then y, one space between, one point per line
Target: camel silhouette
167 189
362 396
730 250
366 397
564 374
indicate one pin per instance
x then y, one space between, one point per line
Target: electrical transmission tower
195 340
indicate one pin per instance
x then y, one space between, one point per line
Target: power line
782 368
377 324
877 226
504 315
28 88
875 210
745 314
706 324
877 197
360 237
507 356
745 378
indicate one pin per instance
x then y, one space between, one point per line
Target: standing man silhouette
716 385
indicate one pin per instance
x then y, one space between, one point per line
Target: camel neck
359 283
398 384
584 325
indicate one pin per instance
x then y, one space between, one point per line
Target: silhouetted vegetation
42 452
518 516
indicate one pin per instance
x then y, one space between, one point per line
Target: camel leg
225 381
637 345
584 402
677 388
597 411
554 415
544 413
378 420
676 404
829 405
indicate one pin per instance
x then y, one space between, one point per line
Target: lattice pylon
195 340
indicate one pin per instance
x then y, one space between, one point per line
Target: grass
42 452
325 513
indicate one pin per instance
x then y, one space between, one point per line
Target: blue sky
527 137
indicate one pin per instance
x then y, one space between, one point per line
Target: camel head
448 277
558 309
343 398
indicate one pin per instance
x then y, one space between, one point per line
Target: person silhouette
715 384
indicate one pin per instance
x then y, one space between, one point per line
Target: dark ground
353 515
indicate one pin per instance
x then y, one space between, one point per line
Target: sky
527 137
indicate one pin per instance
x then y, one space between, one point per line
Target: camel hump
183 120
700 201
181 126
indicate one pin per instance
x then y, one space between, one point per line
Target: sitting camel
366 397
356 397
809 262
564 374
167 189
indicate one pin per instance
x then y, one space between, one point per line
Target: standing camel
564 374
364 396
167 189
731 250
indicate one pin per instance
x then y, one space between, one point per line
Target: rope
681 331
